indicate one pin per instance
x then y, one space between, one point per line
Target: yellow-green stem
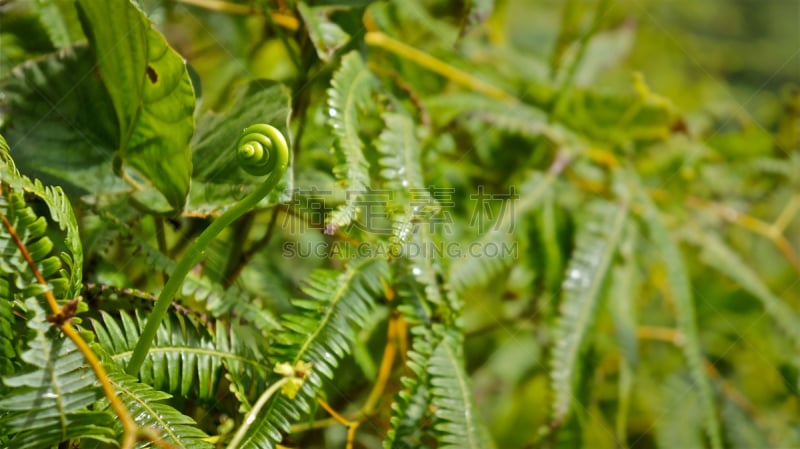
380 40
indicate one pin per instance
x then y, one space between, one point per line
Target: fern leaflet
592 260
149 411
185 359
320 333
458 420
350 89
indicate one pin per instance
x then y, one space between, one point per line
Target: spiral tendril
255 147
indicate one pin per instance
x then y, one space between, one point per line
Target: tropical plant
418 224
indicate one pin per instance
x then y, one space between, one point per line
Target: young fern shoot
261 150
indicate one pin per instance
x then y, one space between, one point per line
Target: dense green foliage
491 224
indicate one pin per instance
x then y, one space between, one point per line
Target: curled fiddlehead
256 147
261 150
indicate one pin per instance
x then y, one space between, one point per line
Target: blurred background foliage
715 136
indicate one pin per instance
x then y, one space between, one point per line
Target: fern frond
400 150
518 118
411 421
621 297
458 423
31 229
320 333
185 359
60 213
49 403
680 286
9 353
410 413
721 257
401 171
350 89
786 168
147 406
437 380
419 301
62 272
596 246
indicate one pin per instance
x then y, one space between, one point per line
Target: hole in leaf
151 73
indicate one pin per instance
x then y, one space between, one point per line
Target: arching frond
458 422
418 298
350 90
400 150
63 271
186 359
320 333
149 410
742 432
596 246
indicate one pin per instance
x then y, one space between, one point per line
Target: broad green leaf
151 91
53 135
217 178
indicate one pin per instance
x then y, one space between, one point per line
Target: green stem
251 415
197 250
